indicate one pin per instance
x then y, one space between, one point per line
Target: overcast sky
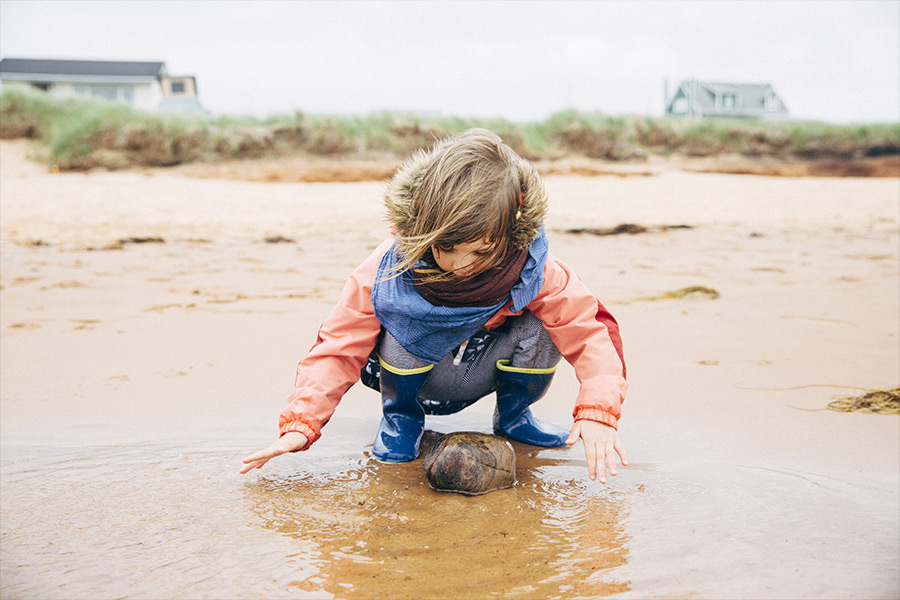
829 60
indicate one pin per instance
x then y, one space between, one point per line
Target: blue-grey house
716 99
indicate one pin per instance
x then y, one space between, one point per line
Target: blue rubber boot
401 428
517 389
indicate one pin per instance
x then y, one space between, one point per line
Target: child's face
461 258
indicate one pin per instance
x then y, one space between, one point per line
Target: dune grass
84 134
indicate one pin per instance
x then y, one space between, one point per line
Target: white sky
836 61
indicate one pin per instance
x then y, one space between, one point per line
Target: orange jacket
585 333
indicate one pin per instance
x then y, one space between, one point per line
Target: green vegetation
83 134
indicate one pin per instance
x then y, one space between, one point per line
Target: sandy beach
151 322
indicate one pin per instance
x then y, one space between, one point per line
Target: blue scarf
431 332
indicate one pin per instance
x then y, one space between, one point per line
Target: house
738 100
143 85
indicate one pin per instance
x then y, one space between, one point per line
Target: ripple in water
173 520
380 531
176 520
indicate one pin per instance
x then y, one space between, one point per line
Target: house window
177 87
729 101
41 86
107 92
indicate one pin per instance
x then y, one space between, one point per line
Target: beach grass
83 134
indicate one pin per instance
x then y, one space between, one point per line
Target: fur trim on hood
402 188
534 206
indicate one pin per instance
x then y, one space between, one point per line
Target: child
462 301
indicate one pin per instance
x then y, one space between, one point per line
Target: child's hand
600 443
289 442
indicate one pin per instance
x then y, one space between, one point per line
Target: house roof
744 90
25 68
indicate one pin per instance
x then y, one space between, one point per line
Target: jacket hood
402 188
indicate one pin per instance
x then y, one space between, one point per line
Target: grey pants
451 387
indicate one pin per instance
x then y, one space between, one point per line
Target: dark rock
470 463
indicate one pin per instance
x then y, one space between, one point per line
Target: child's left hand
601 443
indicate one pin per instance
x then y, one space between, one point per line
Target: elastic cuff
595 413
300 427
399 371
504 365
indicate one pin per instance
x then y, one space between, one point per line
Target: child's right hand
601 443
289 442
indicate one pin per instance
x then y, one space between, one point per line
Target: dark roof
86 68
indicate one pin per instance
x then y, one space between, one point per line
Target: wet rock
470 463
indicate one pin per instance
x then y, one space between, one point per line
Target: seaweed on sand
885 402
628 228
694 291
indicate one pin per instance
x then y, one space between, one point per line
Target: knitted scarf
486 289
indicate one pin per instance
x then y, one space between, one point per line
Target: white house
144 85
712 99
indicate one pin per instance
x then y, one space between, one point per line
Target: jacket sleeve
333 364
587 335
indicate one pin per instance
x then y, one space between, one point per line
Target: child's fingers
620 449
286 443
253 464
603 451
610 459
263 455
590 454
255 461
600 468
247 468
574 434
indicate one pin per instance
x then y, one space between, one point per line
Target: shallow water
181 523
174 519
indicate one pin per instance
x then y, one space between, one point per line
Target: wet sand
135 376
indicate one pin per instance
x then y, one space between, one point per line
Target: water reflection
375 530
148 520
175 520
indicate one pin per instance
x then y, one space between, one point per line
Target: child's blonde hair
466 188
